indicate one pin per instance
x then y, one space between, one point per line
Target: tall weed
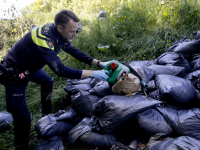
132 30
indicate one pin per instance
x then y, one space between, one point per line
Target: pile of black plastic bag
168 118
6 120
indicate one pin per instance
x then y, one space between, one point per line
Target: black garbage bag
187 48
192 63
128 131
196 35
197 98
83 134
175 90
145 63
5 120
79 81
135 144
112 111
47 127
91 81
173 59
153 91
80 129
160 142
169 70
145 73
152 122
120 146
197 65
194 59
151 86
190 76
66 115
195 56
84 103
95 81
53 143
71 115
185 122
155 95
73 89
194 79
59 112
102 89
175 44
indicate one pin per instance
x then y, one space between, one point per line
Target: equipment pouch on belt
12 75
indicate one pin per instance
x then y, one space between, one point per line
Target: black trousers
16 105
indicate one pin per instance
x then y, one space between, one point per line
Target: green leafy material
103 48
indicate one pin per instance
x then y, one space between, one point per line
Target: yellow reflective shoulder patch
40 39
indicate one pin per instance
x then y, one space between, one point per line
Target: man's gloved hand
103 65
100 74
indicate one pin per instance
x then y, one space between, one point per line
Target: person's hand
100 74
103 64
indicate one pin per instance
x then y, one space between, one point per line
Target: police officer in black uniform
24 63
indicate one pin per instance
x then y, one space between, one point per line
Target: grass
133 30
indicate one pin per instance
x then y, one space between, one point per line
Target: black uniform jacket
41 46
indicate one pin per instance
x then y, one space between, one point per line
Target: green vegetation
133 30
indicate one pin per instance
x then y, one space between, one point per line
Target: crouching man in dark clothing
24 63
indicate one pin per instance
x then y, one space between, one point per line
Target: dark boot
21 140
22 125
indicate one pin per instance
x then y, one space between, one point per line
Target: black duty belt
13 72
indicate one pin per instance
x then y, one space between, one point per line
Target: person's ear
59 28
